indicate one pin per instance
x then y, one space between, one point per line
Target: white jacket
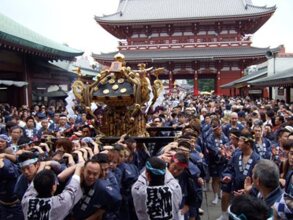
56 207
157 202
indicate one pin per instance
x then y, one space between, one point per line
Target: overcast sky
72 22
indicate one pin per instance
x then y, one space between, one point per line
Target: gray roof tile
244 79
17 34
283 77
148 10
186 54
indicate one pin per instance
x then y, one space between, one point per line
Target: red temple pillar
218 79
171 83
195 84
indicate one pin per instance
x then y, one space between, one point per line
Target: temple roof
282 78
159 10
15 36
243 80
187 54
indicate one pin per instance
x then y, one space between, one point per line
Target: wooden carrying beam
160 139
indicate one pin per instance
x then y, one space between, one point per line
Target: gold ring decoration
112 81
106 91
123 90
115 87
121 80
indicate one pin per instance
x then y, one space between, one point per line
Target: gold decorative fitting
115 87
112 81
123 108
106 91
121 80
123 90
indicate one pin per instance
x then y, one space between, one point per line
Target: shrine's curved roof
18 37
160 10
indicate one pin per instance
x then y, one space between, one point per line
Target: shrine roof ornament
17 37
160 10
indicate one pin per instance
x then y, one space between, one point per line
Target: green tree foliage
206 85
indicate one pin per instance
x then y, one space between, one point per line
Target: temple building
272 79
191 39
26 72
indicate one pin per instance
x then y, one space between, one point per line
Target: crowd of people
54 166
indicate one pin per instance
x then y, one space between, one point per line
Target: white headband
28 162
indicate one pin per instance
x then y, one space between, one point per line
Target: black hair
118 147
101 158
30 118
269 125
251 207
262 116
156 163
90 161
281 118
173 115
215 122
207 115
281 132
16 127
247 134
86 126
23 141
182 114
185 144
181 157
26 156
129 140
189 134
43 183
288 144
235 132
270 113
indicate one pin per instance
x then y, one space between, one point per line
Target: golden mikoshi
125 92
